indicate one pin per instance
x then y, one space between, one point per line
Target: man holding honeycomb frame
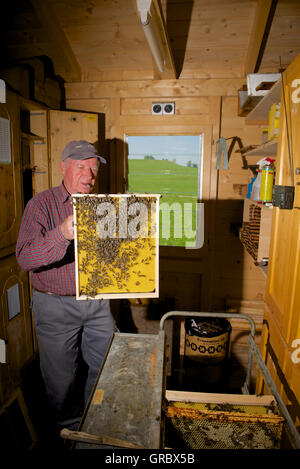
67 330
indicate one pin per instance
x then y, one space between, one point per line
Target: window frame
198 244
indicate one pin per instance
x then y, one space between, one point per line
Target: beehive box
222 421
116 245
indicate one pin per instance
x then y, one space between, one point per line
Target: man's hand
67 227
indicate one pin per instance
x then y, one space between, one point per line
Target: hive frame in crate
155 234
222 421
292 431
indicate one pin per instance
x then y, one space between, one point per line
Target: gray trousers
69 330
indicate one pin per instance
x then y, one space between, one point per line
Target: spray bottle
255 195
267 180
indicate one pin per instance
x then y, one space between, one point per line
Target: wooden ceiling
94 40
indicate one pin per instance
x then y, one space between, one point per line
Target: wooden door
282 319
65 126
10 175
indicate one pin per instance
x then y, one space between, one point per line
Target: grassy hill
174 182
161 176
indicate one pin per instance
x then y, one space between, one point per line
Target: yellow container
274 117
267 181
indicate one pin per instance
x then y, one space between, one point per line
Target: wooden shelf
258 204
250 102
267 149
31 136
260 114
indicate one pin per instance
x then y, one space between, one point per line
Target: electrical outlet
157 108
169 108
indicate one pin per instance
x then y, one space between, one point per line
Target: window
170 166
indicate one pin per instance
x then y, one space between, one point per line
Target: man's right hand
67 227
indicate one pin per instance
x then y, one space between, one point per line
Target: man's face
79 175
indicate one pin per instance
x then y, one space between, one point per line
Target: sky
183 148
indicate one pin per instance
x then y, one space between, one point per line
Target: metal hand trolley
130 406
201 418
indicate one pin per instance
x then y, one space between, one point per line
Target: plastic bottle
267 180
255 195
250 185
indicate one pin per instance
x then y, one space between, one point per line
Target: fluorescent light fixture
151 30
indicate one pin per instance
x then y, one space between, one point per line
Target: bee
108 262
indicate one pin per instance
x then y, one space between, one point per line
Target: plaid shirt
41 247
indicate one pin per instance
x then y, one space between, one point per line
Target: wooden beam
264 14
170 71
64 60
156 89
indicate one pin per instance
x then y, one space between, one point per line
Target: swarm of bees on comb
114 263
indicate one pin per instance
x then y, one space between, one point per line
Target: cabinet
32 139
281 322
45 132
15 318
281 334
10 175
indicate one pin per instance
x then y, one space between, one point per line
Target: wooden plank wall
234 269
221 269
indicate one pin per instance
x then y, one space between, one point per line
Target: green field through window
174 175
